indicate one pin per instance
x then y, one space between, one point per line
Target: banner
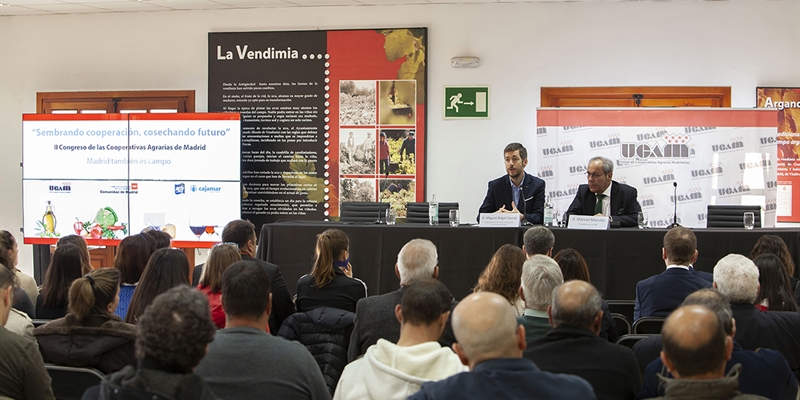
327 117
111 175
715 156
787 102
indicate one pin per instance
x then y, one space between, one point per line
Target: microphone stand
674 223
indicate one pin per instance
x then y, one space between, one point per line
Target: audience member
172 337
774 244
736 279
66 265
503 274
573 266
764 372
491 343
696 350
573 347
243 233
166 269
10 258
22 371
775 292
395 371
90 335
21 324
658 295
540 275
158 239
22 301
538 240
132 256
375 317
280 368
221 256
331 282
602 196
77 240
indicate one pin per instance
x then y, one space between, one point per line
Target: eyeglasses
594 175
226 244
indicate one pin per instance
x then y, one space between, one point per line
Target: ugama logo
565 148
546 171
577 170
647 201
675 147
65 187
570 191
694 194
732 191
735 144
660 223
772 184
771 205
612 140
698 129
713 170
667 176
765 162
541 130
768 140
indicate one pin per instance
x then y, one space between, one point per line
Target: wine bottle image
49 219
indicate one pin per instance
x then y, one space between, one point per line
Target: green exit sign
466 102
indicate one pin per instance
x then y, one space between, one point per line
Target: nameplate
499 220
587 222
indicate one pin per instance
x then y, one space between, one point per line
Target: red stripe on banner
186 116
661 117
74 117
180 244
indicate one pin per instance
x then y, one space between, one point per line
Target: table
617 258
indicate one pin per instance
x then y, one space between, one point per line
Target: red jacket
215 302
384 145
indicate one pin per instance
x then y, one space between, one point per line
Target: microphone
675 211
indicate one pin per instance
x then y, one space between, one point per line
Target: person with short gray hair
574 347
417 259
538 240
540 275
602 196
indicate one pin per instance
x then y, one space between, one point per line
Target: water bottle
433 211
548 212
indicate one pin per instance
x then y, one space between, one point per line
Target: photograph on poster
357 151
397 100
357 190
398 192
357 103
402 148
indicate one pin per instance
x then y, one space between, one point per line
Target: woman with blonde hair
90 335
503 275
221 256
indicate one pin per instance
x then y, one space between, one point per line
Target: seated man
658 295
540 275
603 197
395 371
517 192
491 343
172 338
764 372
538 240
274 365
695 352
736 279
574 347
22 372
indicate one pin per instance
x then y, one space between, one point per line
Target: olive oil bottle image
49 219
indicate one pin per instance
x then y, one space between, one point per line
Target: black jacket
150 382
624 206
326 333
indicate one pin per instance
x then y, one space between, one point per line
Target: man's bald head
576 303
695 344
714 301
485 329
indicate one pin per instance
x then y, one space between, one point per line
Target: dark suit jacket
375 320
659 295
624 206
610 369
499 195
776 330
282 305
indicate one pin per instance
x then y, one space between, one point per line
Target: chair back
70 382
624 307
362 211
39 322
418 212
623 325
629 340
731 216
648 325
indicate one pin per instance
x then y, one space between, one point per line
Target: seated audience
573 347
764 372
503 274
132 256
166 269
172 338
10 258
246 298
375 317
775 293
490 342
658 295
573 266
695 352
90 335
22 301
774 244
86 258
395 371
220 257
331 282
540 275
66 265
22 372
736 279
538 240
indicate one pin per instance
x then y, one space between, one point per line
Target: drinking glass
749 220
556 217
642 219
453 217
391 216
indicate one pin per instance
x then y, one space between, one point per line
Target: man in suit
736 278
602 196
517 192
574 347
375 315
540 275
659 295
